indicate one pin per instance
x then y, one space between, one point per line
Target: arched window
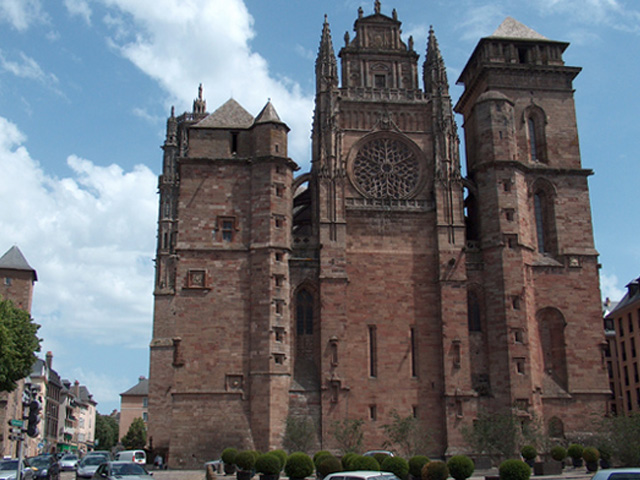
535 121
551 326
544 212
304 313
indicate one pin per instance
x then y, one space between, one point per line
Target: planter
551 467
577 462
269 476
229 469
605 463
592 466
530 461
244 475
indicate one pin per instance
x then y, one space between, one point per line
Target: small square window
515 302
509 214
8 281
380 81
279 280
279 190
279 256
279 221
373 412
279 307
507 185
517 336
226 228
520 366
279 334
279 358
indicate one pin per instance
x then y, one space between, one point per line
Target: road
159 475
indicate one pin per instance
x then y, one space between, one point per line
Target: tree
405 436
299 434
136 437
106 432
348 435
620 435
495 434
18 344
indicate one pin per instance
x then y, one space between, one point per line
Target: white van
136 456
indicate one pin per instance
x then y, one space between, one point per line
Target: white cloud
478 22
610 287
21 14
79 8
27 67
182 44
90 236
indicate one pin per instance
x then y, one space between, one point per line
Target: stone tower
534 281
380 283
220 355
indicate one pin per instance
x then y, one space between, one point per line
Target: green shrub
246 460
416 463
559 453
591 455
396 465
380 457
528 452
460 467
268 463
347 461
435 470
229 455
605 452
575 451
320 454
299 465
514 470
365 463
282 455
328 464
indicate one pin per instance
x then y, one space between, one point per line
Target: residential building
622 325
134 403
382 281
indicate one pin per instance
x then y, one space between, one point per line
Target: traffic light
34 418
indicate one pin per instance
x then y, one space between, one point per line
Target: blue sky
86 86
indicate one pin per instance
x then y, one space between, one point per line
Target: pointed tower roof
229 115
268 115
14 260
434 70
326 64
511 28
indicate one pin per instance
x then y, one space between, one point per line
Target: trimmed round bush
528 452
575 450
416 463
514 470
347 461
396 465
229 455
461 467
558 453
320 454
299 465
246 460
268 463
282 455
435 470
365 463
328 464
591 455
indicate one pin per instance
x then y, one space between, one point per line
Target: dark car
46 467
121 470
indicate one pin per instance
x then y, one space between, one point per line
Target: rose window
386 168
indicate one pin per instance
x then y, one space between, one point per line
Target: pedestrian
158 462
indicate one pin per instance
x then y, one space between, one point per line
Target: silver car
8 470
121 470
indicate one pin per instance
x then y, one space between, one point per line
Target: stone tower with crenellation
382 282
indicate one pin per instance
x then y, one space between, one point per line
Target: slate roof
511 28
230 115
141 389
14 260
632 296
268 115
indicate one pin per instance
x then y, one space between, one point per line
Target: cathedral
384 281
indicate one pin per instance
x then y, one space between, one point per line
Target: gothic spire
434 71
326 65
200 104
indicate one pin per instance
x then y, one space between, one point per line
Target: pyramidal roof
268 114
229 115
511 28
14 260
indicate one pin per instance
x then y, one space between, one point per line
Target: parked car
361 475
373 453
104 453
89 464
121 470
617 474
45 466
8 469
69 461
137 456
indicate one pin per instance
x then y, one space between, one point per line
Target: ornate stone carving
386 168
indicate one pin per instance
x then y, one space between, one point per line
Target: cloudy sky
86 86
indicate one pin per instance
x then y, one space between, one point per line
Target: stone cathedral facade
383 280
